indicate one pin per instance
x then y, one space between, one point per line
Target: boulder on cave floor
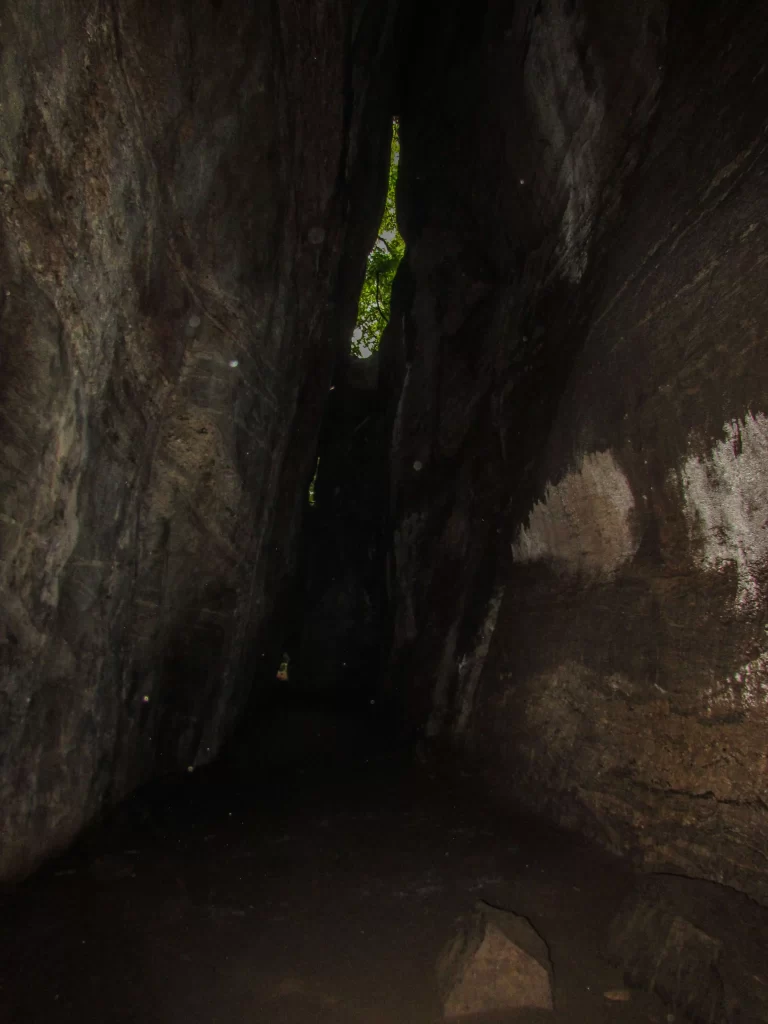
497 961
702 947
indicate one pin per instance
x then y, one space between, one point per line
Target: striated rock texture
580 449
187 194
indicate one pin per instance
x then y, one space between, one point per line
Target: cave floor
316 896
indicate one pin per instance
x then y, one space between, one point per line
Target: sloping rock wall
187 194
580 448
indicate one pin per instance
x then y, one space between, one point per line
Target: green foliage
312 485
383 260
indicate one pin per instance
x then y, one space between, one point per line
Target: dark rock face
581 445
343 631
701 946
187 194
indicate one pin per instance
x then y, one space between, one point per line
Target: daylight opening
383 261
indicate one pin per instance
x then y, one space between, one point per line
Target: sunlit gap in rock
383 261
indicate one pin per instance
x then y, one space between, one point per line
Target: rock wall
343 632
187 195
580 446
573 386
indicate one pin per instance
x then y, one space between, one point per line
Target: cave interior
304 654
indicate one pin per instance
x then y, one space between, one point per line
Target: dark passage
481 729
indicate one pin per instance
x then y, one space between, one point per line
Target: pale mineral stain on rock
584 522
725 503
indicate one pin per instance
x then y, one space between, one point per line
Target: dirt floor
321 894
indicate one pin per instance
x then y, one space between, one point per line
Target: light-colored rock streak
725 502
584 522
745 690
471 666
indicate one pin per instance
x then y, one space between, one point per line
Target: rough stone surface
580 567
187 194
496 962
700 946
